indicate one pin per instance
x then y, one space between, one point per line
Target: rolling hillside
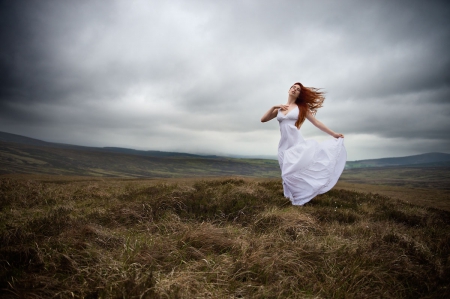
13 138
428 159
19 154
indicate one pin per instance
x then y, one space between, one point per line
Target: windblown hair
311 99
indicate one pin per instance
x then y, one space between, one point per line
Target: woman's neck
291 100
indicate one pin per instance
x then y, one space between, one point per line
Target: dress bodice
290 135
290 117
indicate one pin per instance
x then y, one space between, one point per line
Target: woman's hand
338 135
272 113
282 107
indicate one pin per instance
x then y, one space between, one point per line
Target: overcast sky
196 76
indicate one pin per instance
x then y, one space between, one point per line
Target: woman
307 167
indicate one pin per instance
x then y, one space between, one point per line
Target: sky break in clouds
196 76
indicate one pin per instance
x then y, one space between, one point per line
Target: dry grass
215 238
432 198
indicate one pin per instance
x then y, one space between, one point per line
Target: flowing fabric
308 168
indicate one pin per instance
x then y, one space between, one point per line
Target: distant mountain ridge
8 137
428 159
422 160
23 155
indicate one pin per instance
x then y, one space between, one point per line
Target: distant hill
423 160
153 153
20 154
8 137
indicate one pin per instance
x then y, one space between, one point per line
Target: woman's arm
321 126
272 112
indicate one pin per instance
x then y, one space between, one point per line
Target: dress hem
321 189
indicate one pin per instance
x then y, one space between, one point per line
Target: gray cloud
197 75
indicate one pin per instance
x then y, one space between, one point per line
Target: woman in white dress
308 168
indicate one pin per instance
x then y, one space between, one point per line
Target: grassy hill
8 138
412 177
19 154
50 160
219 238
423 160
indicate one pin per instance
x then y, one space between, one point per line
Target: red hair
311 99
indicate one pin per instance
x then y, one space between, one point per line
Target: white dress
308 168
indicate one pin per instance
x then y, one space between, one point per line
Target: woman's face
294 90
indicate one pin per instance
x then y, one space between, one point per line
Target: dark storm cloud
198 75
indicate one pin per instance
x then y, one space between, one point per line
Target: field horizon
20 154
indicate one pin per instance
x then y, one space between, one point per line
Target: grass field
424 186
437 178
65 237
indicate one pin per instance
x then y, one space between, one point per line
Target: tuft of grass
215 238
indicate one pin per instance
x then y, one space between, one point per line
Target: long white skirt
310 168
